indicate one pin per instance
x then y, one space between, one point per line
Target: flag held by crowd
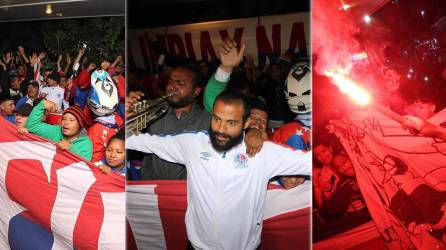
156 210
52 199
401 177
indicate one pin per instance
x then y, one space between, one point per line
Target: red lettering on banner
206 46
238 33
264 47
189 45
297 38
175 45
263 44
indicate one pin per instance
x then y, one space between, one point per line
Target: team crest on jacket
241 160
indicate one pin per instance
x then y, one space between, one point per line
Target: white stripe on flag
144 217
70 196
8 151
112 235
280 201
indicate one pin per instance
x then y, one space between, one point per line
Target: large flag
52 199
401 176
156 210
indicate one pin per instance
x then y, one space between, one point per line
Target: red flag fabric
53 199
156 210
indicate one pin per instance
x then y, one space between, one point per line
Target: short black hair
196 81
5 97
230 96
118 136
12 78
25 109
260 104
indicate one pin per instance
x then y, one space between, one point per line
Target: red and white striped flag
156 210
52 199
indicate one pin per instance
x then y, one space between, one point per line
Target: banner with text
266 38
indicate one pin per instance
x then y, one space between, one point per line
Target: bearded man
226 188
184 114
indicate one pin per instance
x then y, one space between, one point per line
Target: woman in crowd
69 135
114 156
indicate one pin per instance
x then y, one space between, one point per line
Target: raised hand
91 67
8 57
34 59
21 50
50 106
229 55
81 51
68 59
105 65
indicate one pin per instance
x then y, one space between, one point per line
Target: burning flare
349 87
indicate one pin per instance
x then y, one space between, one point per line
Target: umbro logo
205 156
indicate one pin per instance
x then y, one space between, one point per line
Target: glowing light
411 70
49 10
409 76
422 12
350 88
367 19
426 78
359 56
346 6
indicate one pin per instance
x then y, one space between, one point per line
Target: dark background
145 14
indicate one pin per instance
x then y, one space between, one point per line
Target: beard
181 103
225 146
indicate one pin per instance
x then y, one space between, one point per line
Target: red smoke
333 34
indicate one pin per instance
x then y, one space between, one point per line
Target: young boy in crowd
7 108
54 93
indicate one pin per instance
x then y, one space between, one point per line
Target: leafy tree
104 37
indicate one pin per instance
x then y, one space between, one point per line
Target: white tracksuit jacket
226 192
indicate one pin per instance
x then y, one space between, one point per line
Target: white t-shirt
56 95
226 192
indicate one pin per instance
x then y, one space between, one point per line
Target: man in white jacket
226 189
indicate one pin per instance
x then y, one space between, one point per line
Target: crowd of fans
196 84
78 105
338 203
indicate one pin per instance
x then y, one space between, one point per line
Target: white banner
402 178
265 37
